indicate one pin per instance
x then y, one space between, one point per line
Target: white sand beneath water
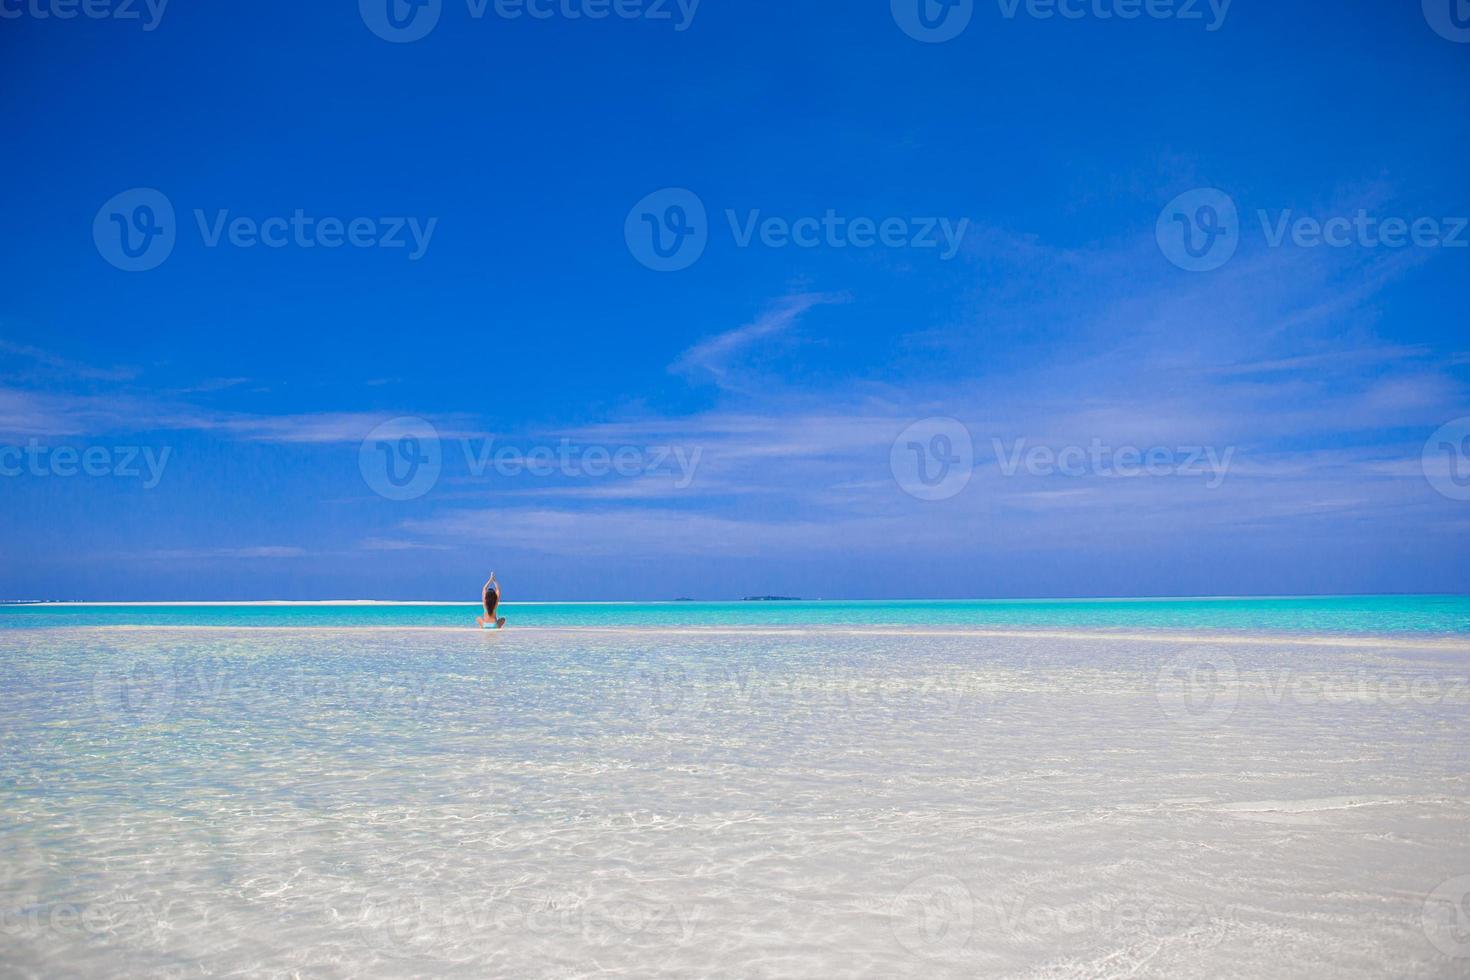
731 803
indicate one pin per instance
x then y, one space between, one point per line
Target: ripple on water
400 804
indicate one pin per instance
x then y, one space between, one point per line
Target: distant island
770 598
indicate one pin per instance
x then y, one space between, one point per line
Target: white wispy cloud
325 427
26 412
1251 359
1325 414
715 359
54 365
212 384
399 544
224 554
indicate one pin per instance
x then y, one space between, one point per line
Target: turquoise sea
1386 614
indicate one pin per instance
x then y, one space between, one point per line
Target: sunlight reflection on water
523 804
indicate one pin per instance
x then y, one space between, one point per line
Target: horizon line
681 601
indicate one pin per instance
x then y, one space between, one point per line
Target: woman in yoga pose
490 596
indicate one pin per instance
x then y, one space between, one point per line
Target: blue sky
946 386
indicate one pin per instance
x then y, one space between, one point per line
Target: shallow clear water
382 803
1313 614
